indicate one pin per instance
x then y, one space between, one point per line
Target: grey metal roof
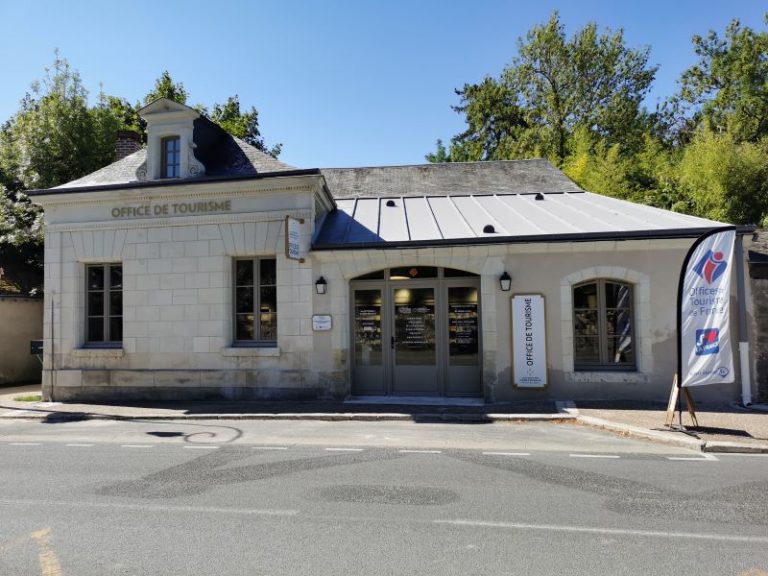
222 155
462 218
448 178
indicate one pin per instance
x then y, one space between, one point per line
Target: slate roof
222 155
501 176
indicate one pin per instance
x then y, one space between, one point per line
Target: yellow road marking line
49 562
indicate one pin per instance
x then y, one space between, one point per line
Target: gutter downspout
746 380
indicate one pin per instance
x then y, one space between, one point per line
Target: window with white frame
255 302
171 157
603 326
104 304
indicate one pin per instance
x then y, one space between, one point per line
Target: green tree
55 137
725 179
590 80
440 154
243 125
555 85
165 87
495 123
728 87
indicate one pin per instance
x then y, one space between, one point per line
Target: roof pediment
165 106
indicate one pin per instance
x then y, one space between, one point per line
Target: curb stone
658 436
316 416
734 448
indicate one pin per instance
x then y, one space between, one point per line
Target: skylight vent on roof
489 229
391 203
539 196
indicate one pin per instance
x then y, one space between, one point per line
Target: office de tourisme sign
529 341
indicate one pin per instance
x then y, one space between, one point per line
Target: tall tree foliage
554 85
243 125
578 102
725 179
728 87
165 87
55 137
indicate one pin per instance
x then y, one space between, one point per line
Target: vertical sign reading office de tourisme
529 341
293 238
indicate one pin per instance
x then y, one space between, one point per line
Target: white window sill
247 351
98 352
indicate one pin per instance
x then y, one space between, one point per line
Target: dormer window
170 142
171 157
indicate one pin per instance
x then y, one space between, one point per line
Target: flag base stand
675 398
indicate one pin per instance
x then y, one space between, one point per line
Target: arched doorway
416 332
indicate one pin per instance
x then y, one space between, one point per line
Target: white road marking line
420 451
344 449
608 531
506 453
136 446
269 447
703 458
24 443
77 445
153 507
202 447
607 456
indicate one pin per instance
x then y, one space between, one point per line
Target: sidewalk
722 428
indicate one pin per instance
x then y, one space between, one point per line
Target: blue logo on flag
711 266
707 341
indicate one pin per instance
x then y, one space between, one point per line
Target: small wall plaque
321 322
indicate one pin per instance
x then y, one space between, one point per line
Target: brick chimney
127 143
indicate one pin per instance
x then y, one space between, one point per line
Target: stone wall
21 320
758 265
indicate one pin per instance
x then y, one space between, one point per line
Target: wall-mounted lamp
505 281
321 285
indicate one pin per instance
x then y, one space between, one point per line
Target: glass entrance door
463 373
413 343
368 368
415 331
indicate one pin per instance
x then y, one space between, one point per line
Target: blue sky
339 83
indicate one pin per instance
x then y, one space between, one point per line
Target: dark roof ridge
461 163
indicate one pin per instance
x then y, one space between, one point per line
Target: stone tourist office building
200 267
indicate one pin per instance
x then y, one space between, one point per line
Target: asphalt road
289 498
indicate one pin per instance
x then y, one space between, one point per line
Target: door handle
392 342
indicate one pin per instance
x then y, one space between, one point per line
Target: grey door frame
440 285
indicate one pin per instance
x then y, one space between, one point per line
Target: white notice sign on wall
321 322
529 341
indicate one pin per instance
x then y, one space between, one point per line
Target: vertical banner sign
529 341
293 238
704 346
